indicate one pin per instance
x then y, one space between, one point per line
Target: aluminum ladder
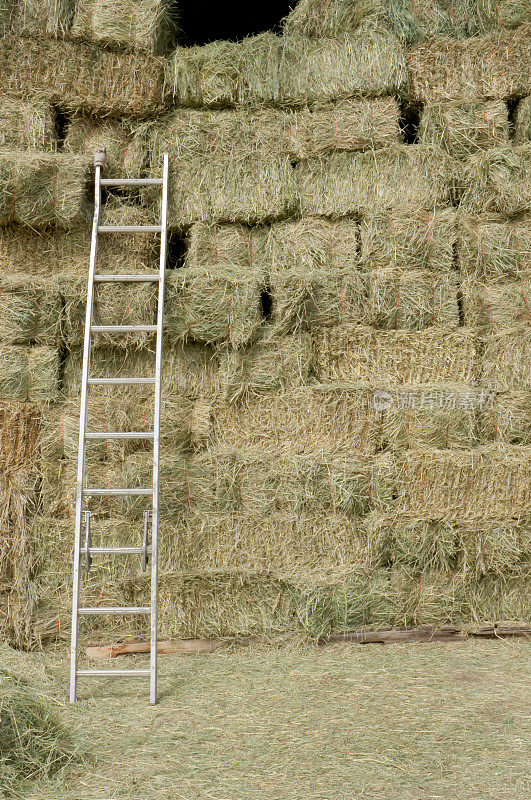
82 520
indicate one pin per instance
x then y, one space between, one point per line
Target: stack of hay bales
346 435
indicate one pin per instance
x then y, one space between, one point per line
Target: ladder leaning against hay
83 515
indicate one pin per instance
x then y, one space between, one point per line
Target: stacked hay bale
345 422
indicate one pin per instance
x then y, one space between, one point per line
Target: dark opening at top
201 22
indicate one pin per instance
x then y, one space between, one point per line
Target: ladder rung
125 278
129 228
119 381
114 610
113 673
123 328
117 550
120 435
131 181
117 492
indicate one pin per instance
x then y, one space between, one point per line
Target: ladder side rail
156 430
82 430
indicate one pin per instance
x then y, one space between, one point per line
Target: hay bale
522 131
507 418
34 743
27 125
307 420
492 481
29 374
505 362
227 245
491 67
497 305
82 77
191 370
464 128
497 181
228 167
39 189
412 299
213 305
494 250
410 21
312 245
288 70
40 18
269 365
31 310
438 416
126 154
354 353
422 240
408 176
346 125
150 25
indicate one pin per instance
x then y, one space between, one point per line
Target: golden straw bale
497 305
506 359
449 484
354 353
407 176
507 418
464 128
39 18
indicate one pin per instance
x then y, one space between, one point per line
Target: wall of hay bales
346 431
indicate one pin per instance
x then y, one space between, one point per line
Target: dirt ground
372 722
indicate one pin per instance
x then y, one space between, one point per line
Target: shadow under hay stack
345 420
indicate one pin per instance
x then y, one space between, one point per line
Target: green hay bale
38 189
39 18
491 67
356 353
267 366
312 245
78 76
422 240
490 481
213 305
31 310
505 363
228 167
494 250
289 70
508 419
346 125
34 743
147 25
408 176
522 132
497 181
126 154
497 305
464 128
439 416
412 299
29 374
27 125
311 421
227 245
191 370
407 19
